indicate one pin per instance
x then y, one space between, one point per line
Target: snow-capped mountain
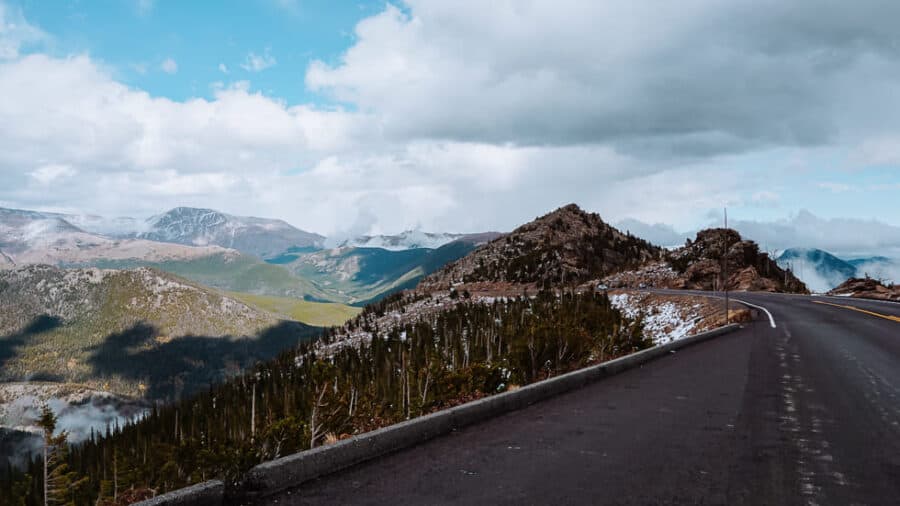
415 239
200 227
31 237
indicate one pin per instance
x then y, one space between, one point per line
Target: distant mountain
140 332
415 239
856 262
820 270
879 267
200 227
358 275
30 237
563 247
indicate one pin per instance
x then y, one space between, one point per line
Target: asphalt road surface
807 412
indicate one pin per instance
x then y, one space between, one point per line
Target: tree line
319 393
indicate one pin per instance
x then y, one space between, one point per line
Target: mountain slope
361 275
132 332
563 247
820 270
201 227
28 237
232 271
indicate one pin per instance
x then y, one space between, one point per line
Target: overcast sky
460 115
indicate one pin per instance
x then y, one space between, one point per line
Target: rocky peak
701 262
563 247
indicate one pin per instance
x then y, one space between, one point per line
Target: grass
237 273
319 314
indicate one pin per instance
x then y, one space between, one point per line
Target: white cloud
16 32
169 66
625 74
47 174
465 123
879 150
257 63
844 237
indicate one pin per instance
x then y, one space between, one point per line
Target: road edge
207 493
293 470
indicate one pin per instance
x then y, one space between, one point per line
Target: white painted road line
771 319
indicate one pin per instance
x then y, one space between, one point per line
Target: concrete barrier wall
274 476
208 493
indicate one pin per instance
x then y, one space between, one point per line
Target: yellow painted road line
854 308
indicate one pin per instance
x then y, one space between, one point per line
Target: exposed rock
867 288
699 265
565 247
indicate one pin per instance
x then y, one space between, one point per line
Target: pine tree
61 485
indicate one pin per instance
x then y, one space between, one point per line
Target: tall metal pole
726 267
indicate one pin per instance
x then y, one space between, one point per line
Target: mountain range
489 313
823 271
259 256
28 237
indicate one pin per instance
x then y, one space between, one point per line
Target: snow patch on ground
664 321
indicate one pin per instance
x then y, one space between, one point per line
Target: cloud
169 66
844 237
16 33
879 150
455 122
257 63
47 174
625 74
657 233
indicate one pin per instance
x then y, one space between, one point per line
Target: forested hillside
326 391
410 354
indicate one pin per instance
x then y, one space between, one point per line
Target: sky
376 117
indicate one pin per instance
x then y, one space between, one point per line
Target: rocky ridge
867 288
564 247
700 265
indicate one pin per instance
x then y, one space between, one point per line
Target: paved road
804 413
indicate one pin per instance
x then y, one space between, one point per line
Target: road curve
807 412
